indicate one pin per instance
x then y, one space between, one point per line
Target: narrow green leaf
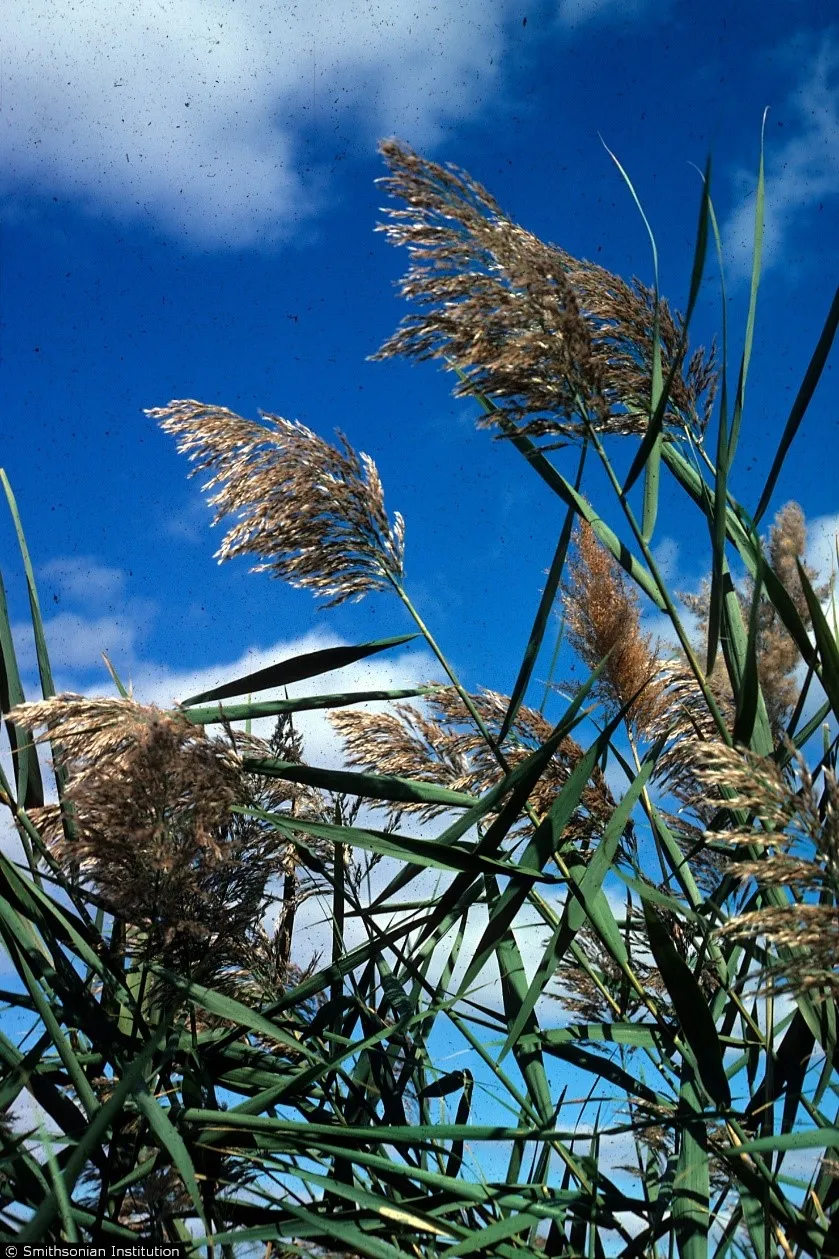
172 1141
426 853
93 1138
802 401
451 1082
19 1074
741 667
486 1239
585 900
546 603
69 1229
826 643
636 1035
515 786
649 452
750 704
826 1138
757 1218
714 502
691 1187
691 1008
42 910
513 990
29 788
303 704
372 786
602 1067
115 678
63 1046
717 521
41 653
760 196
547 838
704 497
296 668
228 1008
652 462
787 1076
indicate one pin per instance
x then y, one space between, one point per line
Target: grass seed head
562 345
603 619
151 828
793 834
440 744
312 512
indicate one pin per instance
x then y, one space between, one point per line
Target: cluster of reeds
579 989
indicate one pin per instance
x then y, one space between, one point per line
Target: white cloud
76 641
666 554
82 579
801 172
158 684
96 615
194 113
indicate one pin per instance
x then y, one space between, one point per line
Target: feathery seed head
682 717
778 653
602 618
442 746
150 799
562 344
314 513
797 843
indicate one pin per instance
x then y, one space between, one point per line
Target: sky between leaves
188 202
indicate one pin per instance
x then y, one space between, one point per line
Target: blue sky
188 203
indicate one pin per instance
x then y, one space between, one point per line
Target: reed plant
657 1075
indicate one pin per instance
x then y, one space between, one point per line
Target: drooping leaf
218 713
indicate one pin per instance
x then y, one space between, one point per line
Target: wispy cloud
76 642
195 116
802 171
82 578
195 113
667 554
88 609
188 523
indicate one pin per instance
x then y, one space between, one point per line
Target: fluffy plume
560 343
778 654
312 512
796 835
150 826
682 716
441 746
602 619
